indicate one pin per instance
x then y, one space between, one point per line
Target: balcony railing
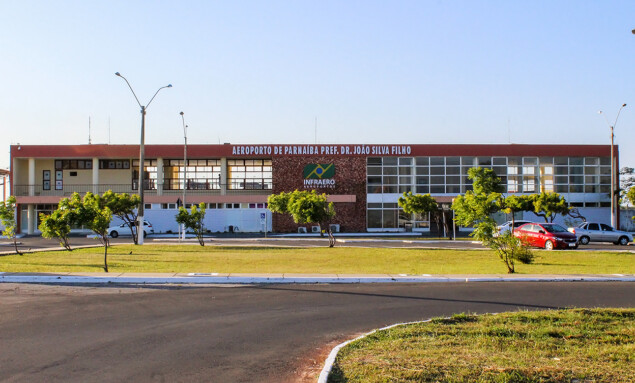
151 189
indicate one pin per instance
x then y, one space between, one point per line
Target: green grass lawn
549 346
338 260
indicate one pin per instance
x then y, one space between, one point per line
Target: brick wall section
350 178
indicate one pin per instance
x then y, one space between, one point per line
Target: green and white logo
319 176
319 171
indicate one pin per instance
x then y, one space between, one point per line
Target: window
149 174
197 175
249 174
114 164
73 164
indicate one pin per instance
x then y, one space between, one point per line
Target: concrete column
14 178
160 176
223 176
31 219
31 177
95 175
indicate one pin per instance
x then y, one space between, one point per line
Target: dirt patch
310 365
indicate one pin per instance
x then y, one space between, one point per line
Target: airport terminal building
363 181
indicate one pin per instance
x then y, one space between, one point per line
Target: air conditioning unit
335 228
315 229
302 230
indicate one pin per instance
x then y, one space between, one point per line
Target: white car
599 232
124 229
505 227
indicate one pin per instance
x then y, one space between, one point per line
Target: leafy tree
56 225
277 203
515 203
305 207
476 207
124 206
8 220
90 212
548 205
631 197
93 213
511 249
417 203
193 220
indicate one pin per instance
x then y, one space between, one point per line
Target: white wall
216 220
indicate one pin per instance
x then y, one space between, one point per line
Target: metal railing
151 189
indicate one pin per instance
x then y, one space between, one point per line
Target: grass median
578 345
314 260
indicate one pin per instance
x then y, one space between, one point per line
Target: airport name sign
321 150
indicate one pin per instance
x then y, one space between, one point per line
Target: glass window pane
374 218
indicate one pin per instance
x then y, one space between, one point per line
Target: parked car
599 232
546 235
505 227
124 229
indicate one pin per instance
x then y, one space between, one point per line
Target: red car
546 235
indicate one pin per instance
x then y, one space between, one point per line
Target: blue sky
533 72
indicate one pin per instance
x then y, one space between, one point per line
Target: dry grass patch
577 345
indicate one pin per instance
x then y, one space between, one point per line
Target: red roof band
307 150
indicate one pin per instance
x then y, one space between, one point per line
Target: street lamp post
184 164
613 169
140 227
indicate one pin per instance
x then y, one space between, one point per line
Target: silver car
505 227
599 232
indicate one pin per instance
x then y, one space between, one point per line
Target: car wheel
548 245
114 234
584 240
623 241
145 234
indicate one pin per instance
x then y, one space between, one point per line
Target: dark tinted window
606 227
593 226
555 228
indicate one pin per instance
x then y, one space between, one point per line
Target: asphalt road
272 333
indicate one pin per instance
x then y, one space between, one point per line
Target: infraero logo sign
319 171
319 175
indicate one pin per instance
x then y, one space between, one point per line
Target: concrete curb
215 278
330 360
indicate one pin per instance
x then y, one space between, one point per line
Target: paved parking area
37 243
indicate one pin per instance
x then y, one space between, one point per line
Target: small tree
193 220
305 207
475 207
56 225
516 203
93 213
125 207
8 220
510 249
548 205
417 203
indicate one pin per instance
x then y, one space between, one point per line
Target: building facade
363 181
